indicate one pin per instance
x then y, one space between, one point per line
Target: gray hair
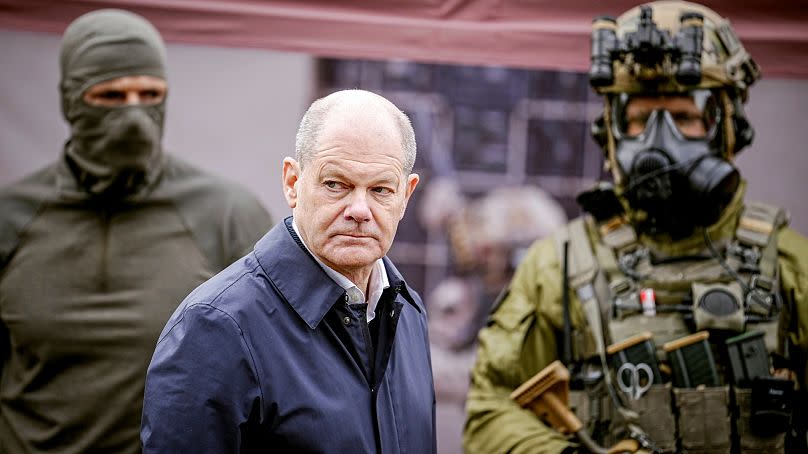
314 120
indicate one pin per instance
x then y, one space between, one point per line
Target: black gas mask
667 151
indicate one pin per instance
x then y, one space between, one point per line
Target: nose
132 98
358 209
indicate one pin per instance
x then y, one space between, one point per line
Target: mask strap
729 132
611 147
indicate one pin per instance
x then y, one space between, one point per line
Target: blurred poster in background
502 153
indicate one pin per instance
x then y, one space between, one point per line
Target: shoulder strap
757 228
586 279
756 247
581 265
592 290
616 238
758 222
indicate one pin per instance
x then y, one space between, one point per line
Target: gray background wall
776 165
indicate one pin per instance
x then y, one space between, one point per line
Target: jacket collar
302 282
400 286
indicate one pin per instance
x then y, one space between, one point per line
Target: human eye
686 116
640 118
333 185
690 124
382 190
112 95
635 123
151 95
687 119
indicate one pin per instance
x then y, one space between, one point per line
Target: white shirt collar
377 283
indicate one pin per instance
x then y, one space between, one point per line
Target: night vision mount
649 52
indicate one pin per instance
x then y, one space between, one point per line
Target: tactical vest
625 290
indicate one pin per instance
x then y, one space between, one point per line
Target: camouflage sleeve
517 342
793 329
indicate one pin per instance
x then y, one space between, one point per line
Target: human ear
291 175
412 182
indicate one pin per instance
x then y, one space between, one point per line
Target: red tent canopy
518 33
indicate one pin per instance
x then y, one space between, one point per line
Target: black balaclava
113 151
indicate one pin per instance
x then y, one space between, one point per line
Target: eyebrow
386 177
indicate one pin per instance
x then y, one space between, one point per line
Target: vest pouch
656 416
703 419
718 306
748 441
594 408
580 404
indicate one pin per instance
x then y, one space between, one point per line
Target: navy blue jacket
267 356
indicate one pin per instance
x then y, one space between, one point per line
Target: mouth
352 235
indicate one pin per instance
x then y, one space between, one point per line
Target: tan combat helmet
672 47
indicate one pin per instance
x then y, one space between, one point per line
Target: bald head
359 108
350 182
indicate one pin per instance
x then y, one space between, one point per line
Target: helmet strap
728 108
611 145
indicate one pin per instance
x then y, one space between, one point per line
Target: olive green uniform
85 289
523 333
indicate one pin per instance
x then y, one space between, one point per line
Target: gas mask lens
694 114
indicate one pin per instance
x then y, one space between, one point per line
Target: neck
360 277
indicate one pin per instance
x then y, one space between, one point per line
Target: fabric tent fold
539 34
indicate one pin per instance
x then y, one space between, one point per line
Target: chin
355 262
351 257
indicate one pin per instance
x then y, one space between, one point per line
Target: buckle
749 256
625 299
762 282
620 287
760 298
629 261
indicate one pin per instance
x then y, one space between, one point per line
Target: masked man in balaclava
97 249
674 311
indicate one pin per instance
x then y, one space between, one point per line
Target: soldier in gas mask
678 308
98 249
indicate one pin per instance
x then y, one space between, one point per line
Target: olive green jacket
521 336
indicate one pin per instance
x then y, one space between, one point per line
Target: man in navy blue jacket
313 342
